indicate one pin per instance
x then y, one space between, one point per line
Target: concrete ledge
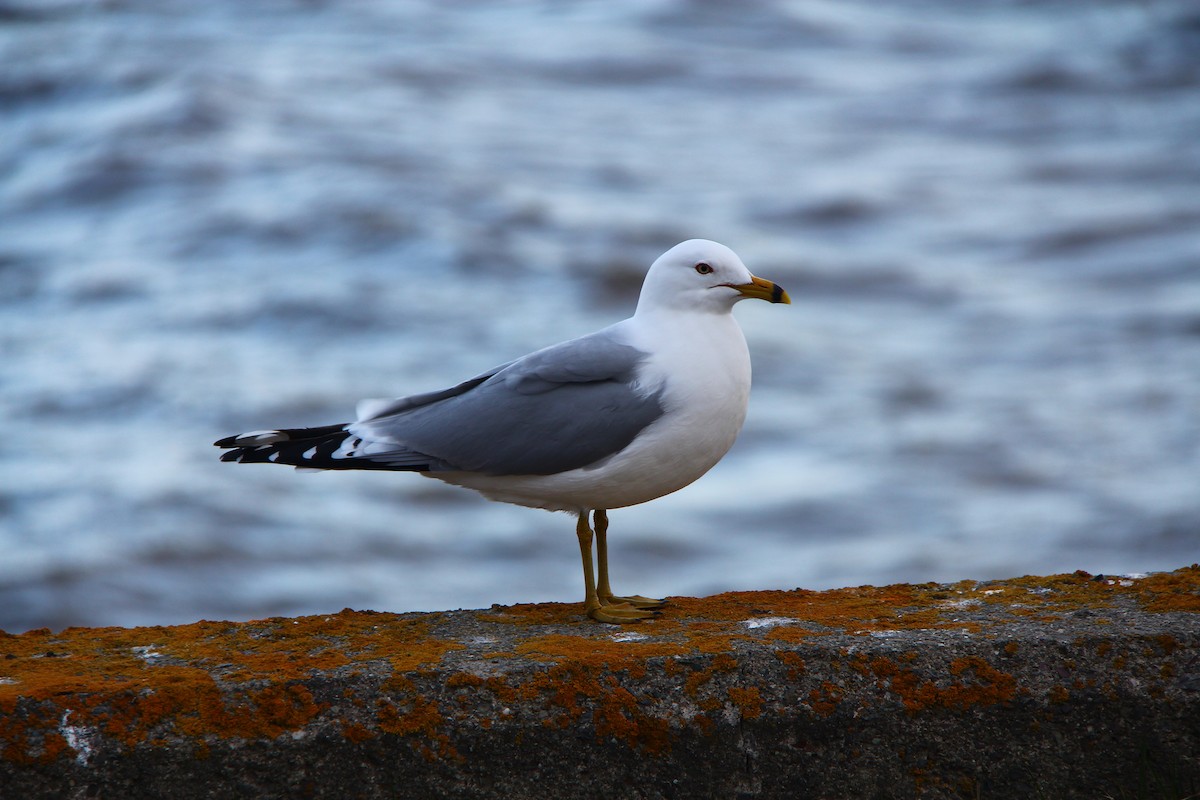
1061 686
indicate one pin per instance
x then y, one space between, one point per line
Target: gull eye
703 269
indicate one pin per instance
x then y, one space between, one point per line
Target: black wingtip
227 442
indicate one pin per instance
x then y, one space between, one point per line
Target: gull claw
636 601
620 613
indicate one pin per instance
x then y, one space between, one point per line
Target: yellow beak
762 290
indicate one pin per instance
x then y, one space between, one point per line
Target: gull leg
603 591
595 609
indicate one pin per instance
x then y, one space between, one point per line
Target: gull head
699 275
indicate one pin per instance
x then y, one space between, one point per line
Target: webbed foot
636 601
620 613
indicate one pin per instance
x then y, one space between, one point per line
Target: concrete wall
1051 687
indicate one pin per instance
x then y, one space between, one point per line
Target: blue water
223 216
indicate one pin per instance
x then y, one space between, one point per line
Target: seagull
618 417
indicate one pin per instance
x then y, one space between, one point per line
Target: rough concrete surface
1037 687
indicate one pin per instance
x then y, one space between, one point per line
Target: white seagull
619 417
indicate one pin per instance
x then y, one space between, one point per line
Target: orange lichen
794 662
536 614
722 663
607 652
464 680
989 687
115 658
405 712
619 715
197 680
215 680
992 686
825 699
748 701
23 740
859 609
705 725
1166 643
616 712
712 624
1171 591
356 733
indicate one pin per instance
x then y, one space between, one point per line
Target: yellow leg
584 533
611 612
603 591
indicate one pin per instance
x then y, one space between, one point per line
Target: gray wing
558 409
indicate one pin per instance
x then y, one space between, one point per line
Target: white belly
705 384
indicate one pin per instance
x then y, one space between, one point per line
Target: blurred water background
223 216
